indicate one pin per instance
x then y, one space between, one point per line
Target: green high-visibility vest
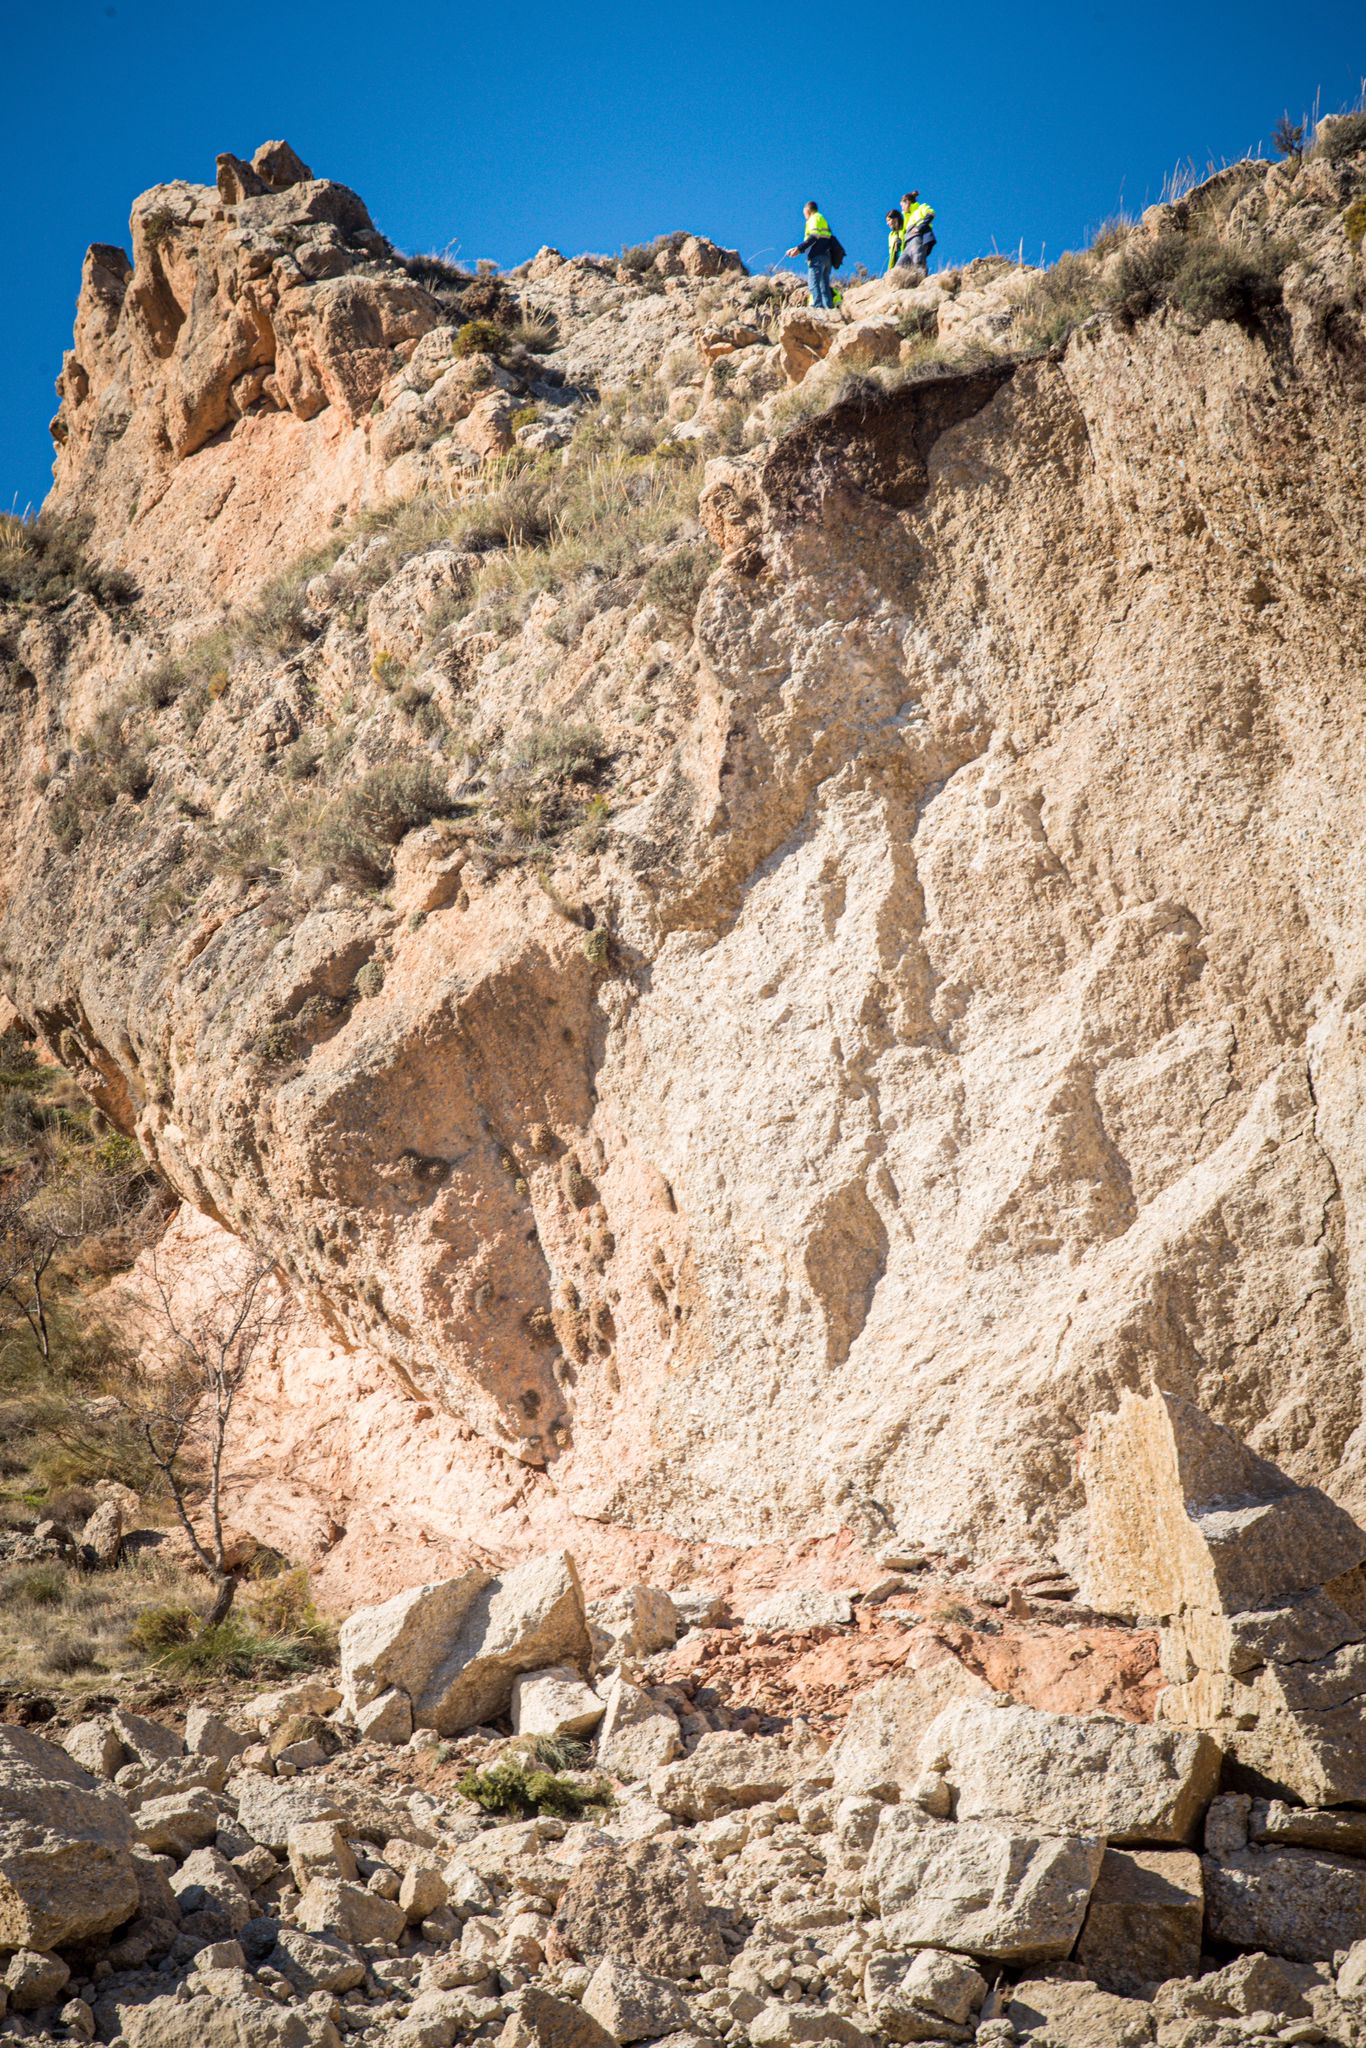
816 225
919 217
895 240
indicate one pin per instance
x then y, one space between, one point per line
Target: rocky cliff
747 1000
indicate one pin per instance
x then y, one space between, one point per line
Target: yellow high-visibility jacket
816 225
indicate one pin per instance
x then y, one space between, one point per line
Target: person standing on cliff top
896 235
818 247
918 236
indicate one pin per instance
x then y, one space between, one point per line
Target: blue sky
487 130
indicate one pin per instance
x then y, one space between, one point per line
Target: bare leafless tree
46 1211
208 1333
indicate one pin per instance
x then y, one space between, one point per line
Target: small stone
78 2019
422 1892
102 1536
317 1962
207 1735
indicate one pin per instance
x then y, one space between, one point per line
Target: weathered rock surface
555 1701
876 821
639 1904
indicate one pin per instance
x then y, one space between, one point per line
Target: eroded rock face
973 1034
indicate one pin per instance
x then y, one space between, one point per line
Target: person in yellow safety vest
818 247
918 236
896 235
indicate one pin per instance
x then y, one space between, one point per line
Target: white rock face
555 1701
457 1647
1011 1895
1073 1773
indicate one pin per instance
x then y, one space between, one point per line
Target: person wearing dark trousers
818 247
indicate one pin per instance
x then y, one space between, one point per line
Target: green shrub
370 979
480 338
1354 223
515 1788
69 1654
1345 136
358 830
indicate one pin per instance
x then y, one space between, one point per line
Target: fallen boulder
66 1867
456 1647
554 1702
980 1890
1073 1773
636 1736
1144 1922
1297 1903
727 1770
638 1904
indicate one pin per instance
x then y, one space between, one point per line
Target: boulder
631 2004
388 1719
330 1906
102 1536
1055 2013
794 2026
1073 1773
279 166
95 1747
636 1736
866 345
267 1808
456 1647
207 1879
422 1892
316 1962
66 1868
266 1711
555 1701
632 1623
928 1995
805 334
1144 1921
541 2021
147 1742
878 1749
1298 1903
1258 1580
238 181
318 1848
727 1770
33 1979
207 1735
638 1903
205 2021
178 1823
1340 1830
801 1608
982 1890
701 258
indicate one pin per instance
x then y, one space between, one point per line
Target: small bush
676 583
480 338
1354 223
162 1628
43 561
1342 137
1203 278
1059 300
358 831
37 1585
370 979
1218 281
69 1654
516 1789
